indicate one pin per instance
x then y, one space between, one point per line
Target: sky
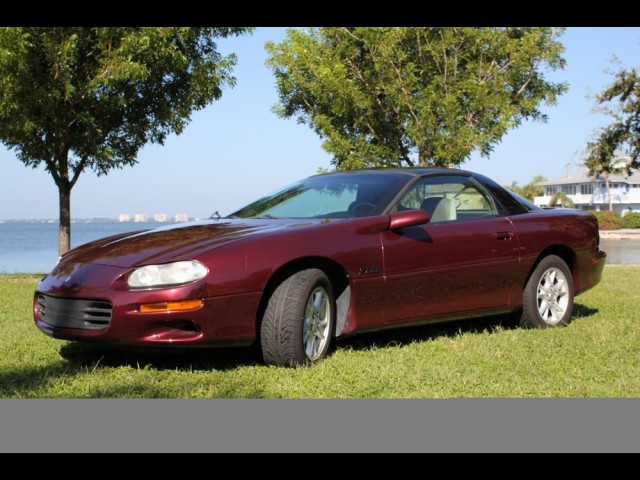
237 150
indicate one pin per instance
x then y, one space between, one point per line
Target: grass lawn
598 355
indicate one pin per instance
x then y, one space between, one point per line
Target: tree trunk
424 157
64 237
606 180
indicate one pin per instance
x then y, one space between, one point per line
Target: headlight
170 274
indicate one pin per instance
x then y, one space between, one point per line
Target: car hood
174 242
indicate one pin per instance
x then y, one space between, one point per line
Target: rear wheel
548 295
299 320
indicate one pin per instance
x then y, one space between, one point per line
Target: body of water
32 247
621 252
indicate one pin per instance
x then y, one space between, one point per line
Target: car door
463 261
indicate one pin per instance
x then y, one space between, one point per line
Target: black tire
302 304
548 295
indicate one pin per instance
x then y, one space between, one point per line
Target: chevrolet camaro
329 256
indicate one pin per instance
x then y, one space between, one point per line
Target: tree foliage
390 96
530 190
564 200
89 98
621 100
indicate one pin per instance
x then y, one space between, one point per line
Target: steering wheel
361 208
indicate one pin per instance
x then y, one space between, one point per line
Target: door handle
504 235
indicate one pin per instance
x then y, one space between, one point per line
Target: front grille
71 313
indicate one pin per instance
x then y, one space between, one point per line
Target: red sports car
331 255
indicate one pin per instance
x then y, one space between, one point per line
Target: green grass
597 355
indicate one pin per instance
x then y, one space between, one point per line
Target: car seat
441 209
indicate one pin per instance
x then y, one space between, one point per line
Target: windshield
327 196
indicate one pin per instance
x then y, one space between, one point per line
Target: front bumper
94 304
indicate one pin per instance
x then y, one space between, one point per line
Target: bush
631 220
609 220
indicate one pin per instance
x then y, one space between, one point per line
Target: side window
448 198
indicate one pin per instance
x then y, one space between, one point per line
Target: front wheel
299 320
548 295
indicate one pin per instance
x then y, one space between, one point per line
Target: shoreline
622 234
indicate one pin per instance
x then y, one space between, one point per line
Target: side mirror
408 218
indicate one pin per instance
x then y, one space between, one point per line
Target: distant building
181 217
140 217
160 217
589 193
124 217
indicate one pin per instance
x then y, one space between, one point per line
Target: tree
530 190
601 161
564 200
90 98
414 96
622 134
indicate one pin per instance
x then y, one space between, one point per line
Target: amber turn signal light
171 306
